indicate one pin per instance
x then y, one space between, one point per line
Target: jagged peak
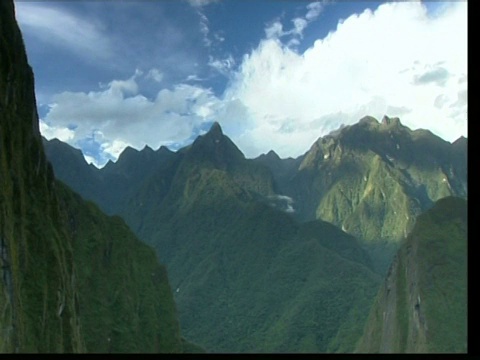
129 149
164 149
147 148
215 143
461 140
395 121
216 129
272 155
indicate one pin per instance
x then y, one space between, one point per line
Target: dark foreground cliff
72 279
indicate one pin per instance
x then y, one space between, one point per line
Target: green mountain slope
372 179
246 276
73 279
422 306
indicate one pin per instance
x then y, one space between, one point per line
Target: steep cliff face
422 306
72 279
38 294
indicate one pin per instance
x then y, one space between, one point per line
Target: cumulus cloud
61 133
120 116
396 60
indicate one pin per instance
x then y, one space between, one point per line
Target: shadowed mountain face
422 306
73 279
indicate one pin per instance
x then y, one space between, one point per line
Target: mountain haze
73 279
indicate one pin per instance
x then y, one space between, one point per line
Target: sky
276 74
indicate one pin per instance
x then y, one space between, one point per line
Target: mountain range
223 224
359 245
370 179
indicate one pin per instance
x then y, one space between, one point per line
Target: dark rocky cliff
72 279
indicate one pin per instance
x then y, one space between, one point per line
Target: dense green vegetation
248 277
73 279
423 305
372 179
213 218
125 301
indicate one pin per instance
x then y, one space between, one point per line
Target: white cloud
120 116
223 66
204 29
155 75
299 25
201 3
282 202
60 28
396 61
314 10
50 132
275 29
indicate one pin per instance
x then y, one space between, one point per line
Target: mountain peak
147 149
272 155
216 129
395 121
461 140
366 120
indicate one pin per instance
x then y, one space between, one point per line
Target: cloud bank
117 116
397 60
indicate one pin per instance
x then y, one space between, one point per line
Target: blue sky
276 74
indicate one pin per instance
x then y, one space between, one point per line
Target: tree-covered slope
73 279
246 276
422 306
372 179
125 301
